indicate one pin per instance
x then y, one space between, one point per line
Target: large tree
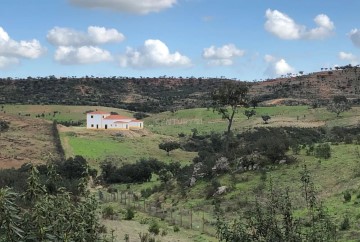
169 146
338 105
228 98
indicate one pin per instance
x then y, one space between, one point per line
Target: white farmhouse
105 120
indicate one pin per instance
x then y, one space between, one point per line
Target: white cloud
154 53
82 55
222 56
277 67
6 62
11 51
129 6
284 27
355 37
95 35
348 57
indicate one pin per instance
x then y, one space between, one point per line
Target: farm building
106 120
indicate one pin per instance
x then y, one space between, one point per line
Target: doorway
105 126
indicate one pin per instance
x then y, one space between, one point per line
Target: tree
226 101
169 146
338 105
266 118
254 102
249 113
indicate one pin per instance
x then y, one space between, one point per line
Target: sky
243 39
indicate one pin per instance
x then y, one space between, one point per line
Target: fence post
203 222
190 218
180 217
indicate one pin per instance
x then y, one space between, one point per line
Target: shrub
154 227
345 224
108 212
347 196
348 139
176 229
130 214
323 151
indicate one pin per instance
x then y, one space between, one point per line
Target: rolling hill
170 93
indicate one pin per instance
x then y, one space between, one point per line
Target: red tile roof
121 122
116 117
99 112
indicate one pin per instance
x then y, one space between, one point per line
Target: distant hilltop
172 93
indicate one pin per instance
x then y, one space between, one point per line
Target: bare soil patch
27 140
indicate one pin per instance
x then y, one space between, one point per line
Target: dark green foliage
323 151
141 171
176 228
72 123
345 224
249 113
347 196
140 115
73 168
265 118
157 94
47 217
169 146
130 214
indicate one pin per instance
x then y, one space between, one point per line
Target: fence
195 218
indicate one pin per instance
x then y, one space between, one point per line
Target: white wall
96 120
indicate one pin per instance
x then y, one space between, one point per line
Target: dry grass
27 140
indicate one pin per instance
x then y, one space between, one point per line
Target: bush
347 196
108 212
130 214
323 151
154 227
176 229
345 224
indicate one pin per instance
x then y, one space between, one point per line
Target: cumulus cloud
127 6
82 55
348 57
7 62
284 27
355 37
11 51
154 53
222 56
277 67
94 36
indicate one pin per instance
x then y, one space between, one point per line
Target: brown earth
27 140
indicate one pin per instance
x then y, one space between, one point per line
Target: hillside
318 85
169 93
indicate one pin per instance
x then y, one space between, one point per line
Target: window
92 116
92 126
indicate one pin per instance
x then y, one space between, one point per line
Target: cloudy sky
242 39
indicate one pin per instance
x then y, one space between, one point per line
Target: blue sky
246 40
